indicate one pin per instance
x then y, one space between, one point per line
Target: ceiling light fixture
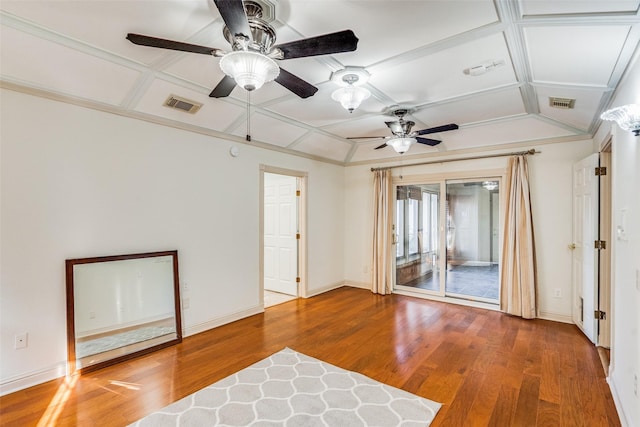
249 69
351 95
401 145
627 117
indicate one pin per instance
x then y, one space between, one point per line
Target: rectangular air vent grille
182 104
564 103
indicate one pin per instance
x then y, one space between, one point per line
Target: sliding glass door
449 246
417 236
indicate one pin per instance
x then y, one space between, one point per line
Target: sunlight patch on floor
56 405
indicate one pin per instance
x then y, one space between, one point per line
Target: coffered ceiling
415 52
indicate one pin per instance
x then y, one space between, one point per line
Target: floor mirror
121 306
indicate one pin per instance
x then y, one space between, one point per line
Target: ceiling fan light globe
249 69
401 145
350 97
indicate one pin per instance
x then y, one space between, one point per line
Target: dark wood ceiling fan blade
380 146
342 41
437 129
366 137
427 141
295 84
142 40
224 88
234 16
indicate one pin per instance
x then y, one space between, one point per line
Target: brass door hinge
297 236
601 171
600 244
297 280
600 315
298 193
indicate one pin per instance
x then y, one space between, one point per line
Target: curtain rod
515 153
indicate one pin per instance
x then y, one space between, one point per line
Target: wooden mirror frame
71 310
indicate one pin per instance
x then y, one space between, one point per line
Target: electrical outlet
185 303
635 385
21 341
557 293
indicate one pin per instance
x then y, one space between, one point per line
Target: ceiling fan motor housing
263 34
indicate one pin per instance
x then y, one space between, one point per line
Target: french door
446 237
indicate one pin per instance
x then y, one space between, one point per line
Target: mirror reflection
121 306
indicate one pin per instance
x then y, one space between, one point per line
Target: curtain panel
382 280
518 293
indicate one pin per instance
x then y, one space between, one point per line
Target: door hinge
297 236
297 280
600 244
601 170
600 315
298 193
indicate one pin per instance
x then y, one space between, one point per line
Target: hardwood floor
487 368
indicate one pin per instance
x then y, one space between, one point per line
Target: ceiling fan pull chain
248 115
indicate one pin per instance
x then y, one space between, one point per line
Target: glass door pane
417 236
472 236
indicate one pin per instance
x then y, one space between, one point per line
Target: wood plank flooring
487 368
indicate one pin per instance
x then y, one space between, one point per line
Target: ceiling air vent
563 103
182 104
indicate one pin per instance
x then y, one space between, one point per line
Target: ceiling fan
251 62
403 137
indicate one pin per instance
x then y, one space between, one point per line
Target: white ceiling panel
214 114
587 102
515 130
441 75
581 55
387 29
482 107
105 24
270 130
324 146
555 7
44 64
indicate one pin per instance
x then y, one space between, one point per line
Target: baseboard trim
617 401
355 284
214 323
322 290
556 317
31 379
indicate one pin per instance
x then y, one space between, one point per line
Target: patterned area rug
293 390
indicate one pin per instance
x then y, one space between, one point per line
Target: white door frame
302 227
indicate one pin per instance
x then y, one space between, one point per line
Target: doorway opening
449 245
281 236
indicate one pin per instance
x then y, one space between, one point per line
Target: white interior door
585 233
280 228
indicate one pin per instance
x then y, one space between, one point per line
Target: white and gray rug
294 390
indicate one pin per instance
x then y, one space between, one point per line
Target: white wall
551 188
625 352
77 183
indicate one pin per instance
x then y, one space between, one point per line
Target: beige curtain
519 287
382 222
